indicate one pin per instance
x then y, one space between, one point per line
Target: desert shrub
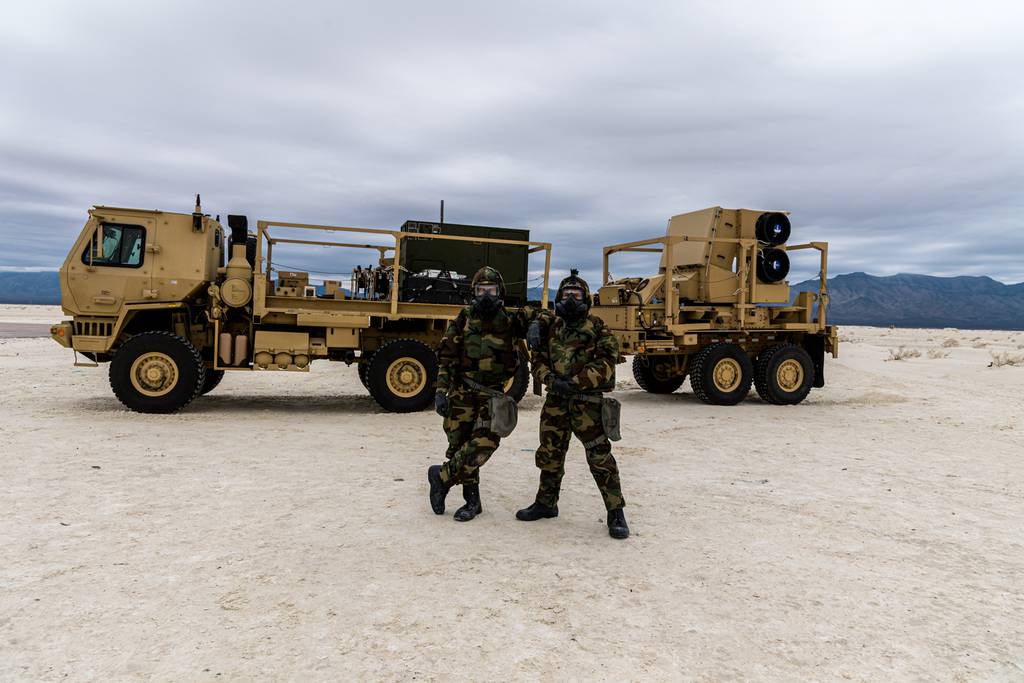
903 353
1006 358
950 343
979 345
937 353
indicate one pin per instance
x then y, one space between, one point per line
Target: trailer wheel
213 378
517 385
721 374
401 376
784 374
157 372
643 373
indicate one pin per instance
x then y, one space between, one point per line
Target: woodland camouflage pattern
486 351
469 446
560 418
584 352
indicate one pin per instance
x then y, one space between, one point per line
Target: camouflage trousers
470 443
560 418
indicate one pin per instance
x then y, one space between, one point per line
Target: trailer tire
784 374
213 378
157 372
721 374
644 375
401 376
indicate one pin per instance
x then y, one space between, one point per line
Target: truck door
115 266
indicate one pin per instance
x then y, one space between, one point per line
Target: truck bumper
61 333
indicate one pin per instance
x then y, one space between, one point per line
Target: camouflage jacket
484 350
583 352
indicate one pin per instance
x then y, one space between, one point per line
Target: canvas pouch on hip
611 410
504 414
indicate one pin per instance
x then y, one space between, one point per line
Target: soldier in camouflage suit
576 362
479 349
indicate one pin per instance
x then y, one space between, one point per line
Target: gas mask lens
486 290
572 293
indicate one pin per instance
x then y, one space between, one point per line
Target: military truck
719 310
173 305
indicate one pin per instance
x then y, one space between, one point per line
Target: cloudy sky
891 129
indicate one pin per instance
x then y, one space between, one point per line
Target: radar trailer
719 310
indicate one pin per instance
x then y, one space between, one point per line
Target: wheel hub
406 377
154 374
727 375
789 375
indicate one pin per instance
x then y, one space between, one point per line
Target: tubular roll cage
747 284
389 308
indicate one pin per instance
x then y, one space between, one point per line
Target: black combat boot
537 511
472 508
617 524
438 489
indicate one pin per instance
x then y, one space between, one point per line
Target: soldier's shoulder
598 323
459 321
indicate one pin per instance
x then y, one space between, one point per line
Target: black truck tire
157 372
520 382
784 374
401 376
721 374
644 375
213 378
363 369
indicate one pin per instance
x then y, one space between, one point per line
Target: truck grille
94 328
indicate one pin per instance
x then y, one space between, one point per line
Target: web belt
482 387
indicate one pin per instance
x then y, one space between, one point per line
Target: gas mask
487 299
573 305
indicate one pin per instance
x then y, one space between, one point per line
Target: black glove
533 336
441 403
563 387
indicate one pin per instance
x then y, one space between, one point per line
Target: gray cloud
890 129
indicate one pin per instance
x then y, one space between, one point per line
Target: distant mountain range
908 300
904 300
29 288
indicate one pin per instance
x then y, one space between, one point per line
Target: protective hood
487 305
489 276
573 310
574 280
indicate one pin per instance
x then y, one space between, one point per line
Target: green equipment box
466 258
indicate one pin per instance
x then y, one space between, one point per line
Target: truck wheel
784 374
363 368
157 372
518 384
721 374
643 373
401 376
213 378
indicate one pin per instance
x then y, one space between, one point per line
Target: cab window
122 246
